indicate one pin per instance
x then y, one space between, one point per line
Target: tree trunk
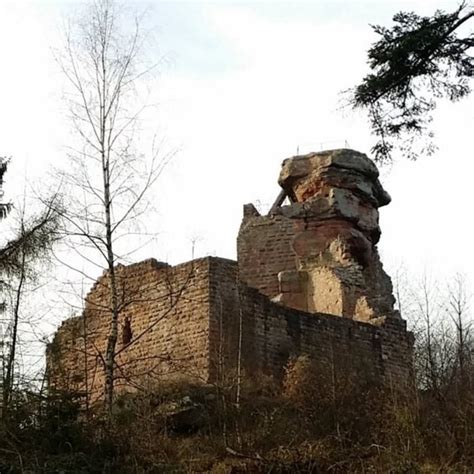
8 382
113 332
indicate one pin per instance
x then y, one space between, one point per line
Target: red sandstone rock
330 231
314 174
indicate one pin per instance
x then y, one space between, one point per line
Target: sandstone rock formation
331 228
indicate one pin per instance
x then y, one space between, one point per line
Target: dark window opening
127 332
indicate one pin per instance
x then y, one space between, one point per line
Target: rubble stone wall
264 250
168 313
272 334
189 322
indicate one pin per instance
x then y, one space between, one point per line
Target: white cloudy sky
241 87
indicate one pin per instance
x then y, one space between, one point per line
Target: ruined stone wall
308 281
168 313
264 250
189 321
272 334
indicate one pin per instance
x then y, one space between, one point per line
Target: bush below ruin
315 421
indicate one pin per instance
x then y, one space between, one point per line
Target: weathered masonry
308 280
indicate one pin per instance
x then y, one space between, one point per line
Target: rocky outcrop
335 184
332 228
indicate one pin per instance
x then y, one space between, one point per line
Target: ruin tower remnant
319 254
308 281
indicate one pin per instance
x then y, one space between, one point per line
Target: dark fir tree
30 243
4 206
415 62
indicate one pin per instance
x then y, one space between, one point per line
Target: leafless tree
107 177
438 314
458 306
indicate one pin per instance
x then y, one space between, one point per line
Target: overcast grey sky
243 85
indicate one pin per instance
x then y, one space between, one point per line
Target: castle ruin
308 280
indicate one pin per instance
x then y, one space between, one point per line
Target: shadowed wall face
272 334
318 253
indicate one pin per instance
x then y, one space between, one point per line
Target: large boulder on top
315 174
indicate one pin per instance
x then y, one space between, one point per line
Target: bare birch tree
108 177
